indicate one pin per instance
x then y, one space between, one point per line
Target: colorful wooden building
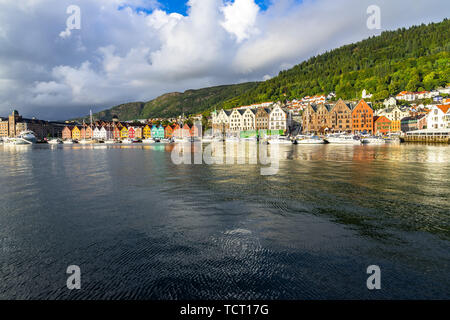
147 132
67 133
168 132
362 118
76 133
124 132
381 125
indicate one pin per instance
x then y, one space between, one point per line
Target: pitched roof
444 108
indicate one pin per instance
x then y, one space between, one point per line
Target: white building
96 133
278 119
236 120
220 121
390 102
445 90
249 119
438 117
393 113
406 95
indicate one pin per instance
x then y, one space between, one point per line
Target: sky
136 50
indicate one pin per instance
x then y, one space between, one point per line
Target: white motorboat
24 138
55 141
392 140
127 141
373 140
232 139
149 141
279 140
68 141
308 140
343 139
112 141
166 141
87 141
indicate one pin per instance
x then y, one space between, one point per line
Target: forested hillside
413 59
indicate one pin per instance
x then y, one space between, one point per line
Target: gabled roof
444 108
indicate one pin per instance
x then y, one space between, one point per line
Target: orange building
362 118
67 133
168 132
381 125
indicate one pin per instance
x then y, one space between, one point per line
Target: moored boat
279 140
343 139
24 138
87 141
149 141
68 141
372 140
55 141
300 139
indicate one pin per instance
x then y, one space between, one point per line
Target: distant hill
173 104
413 59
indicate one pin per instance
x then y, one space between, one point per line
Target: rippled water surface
141 227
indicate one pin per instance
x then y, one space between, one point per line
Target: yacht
392 140
55 141
343 139
127 141
24 138
149 141
372 140
300 139
279 140
112 141
68 141
87 141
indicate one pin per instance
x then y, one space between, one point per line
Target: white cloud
240 17
128 55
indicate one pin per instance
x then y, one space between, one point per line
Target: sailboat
88 141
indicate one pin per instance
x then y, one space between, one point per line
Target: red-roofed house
438 118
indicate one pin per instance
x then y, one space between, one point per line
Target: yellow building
124 133
147 132
396 125
76 133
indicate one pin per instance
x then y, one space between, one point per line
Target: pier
428 135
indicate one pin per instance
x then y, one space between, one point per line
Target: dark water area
141 227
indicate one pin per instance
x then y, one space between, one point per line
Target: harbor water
140 226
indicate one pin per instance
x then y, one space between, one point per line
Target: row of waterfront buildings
348 117
114 130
